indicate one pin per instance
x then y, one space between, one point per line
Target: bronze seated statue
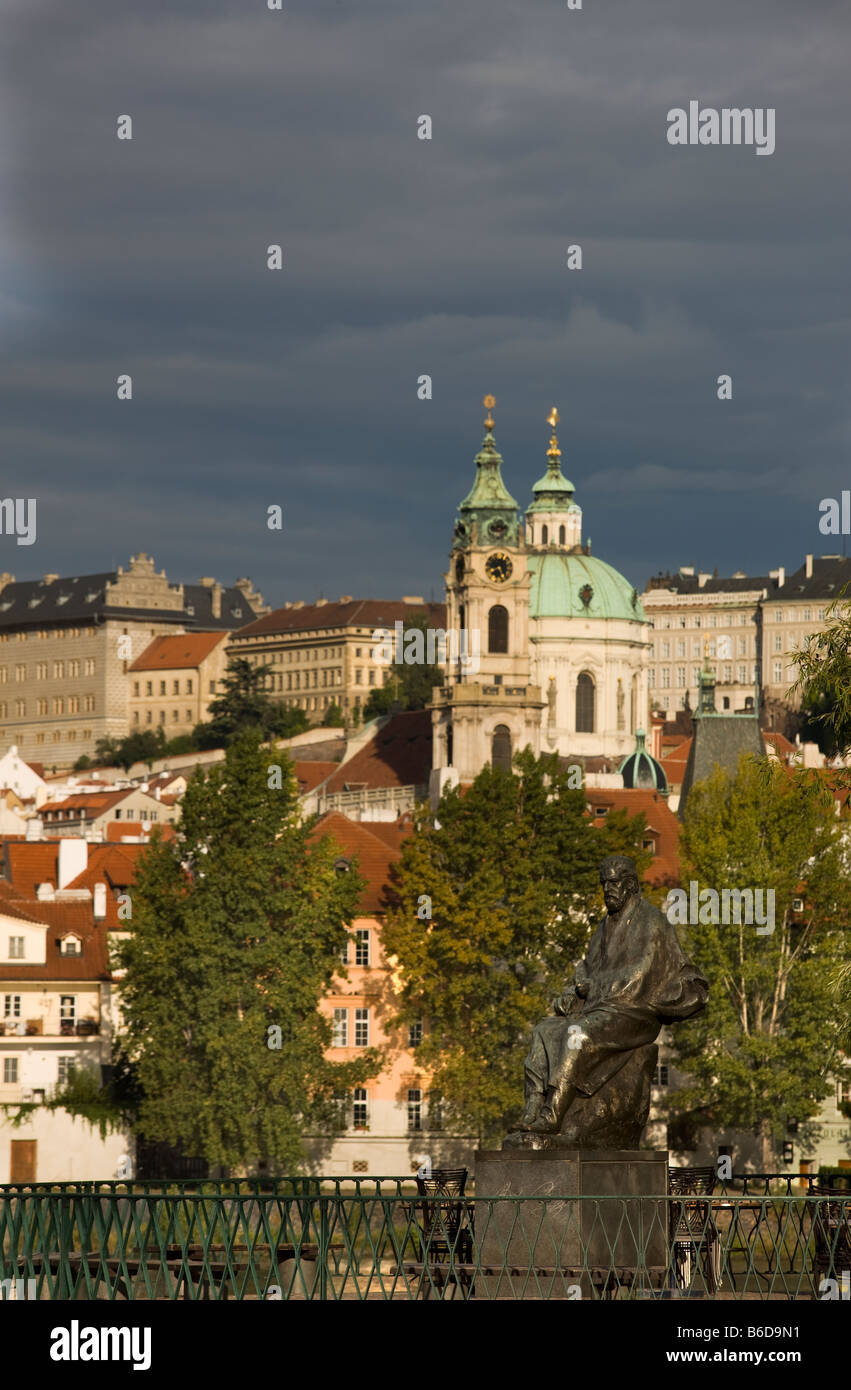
590 1066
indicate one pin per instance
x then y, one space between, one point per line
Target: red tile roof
373 854
92 963
310 774
781 743
659 818
94 801
182 652
27 863
398 755
360 612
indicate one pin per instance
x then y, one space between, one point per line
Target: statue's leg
558 1101
535 1085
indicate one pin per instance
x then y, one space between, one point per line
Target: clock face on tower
498 567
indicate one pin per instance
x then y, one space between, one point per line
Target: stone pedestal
562 1248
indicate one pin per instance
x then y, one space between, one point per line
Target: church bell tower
487 710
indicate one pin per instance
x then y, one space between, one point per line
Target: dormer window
71 946
341 866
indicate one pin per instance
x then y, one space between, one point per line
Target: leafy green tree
245 704
82 763
107 752
238 925
768 1042
493 904
823 682
406 686
141 747
334 717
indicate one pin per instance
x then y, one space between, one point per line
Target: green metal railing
110 1240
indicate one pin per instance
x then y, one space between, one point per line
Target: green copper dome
488 490
580 586
488 514
640 768
553 492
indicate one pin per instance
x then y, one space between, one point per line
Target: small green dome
640 768
580 586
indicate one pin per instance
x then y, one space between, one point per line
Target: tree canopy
765 1049
243 704
508 873
238 924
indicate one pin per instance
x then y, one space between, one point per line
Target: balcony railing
353 1239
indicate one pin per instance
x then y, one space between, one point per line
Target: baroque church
563 635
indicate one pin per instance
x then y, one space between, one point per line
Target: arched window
561 535
585 704
545 535
498 629
501 747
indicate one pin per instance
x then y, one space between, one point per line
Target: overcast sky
403 257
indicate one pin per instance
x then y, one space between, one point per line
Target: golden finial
489 402
554 452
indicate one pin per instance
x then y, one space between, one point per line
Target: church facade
563 636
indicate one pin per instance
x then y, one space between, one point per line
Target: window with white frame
362 946
415 1034
340 1034
361 1027
10 1070
843 1092
11 1006
63 1070
778 672
666 677
415 1109
68 1008
344 953
681 677
16 947
778 615
660 1076
360 1108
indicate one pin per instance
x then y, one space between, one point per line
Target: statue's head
619 879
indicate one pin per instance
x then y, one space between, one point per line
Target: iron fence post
324 1251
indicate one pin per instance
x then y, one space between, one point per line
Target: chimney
73 858
100 901
809 567
34 828
781 577
687 569
344 598
702 578
49 578
216 599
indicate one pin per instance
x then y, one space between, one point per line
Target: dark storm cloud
404 257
